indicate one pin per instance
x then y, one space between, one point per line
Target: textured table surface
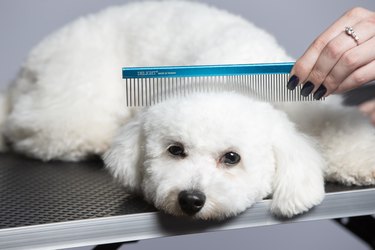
34 192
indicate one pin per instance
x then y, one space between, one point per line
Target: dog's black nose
191 201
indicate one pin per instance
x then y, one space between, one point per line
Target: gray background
294 23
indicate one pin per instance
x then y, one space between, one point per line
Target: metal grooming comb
149 85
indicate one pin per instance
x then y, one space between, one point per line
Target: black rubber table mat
34 192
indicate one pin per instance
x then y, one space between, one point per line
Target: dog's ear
124 158
298 183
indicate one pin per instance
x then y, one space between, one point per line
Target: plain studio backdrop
294 23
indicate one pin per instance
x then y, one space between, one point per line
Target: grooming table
58 205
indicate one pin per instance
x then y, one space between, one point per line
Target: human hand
338 61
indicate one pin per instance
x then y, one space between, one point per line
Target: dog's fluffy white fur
68 103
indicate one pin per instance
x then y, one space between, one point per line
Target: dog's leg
346 138
349 146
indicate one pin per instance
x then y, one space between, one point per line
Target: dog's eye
177 150
230 158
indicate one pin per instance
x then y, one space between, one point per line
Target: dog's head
211 156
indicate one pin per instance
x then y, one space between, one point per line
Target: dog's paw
361 176
297 201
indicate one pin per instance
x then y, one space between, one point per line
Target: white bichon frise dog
209 155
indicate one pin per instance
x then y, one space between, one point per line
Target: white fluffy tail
4 107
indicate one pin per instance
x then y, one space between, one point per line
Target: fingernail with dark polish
293 82
319 93
307 88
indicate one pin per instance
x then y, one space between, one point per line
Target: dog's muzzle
191 201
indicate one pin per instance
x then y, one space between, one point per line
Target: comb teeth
267 87
149 85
